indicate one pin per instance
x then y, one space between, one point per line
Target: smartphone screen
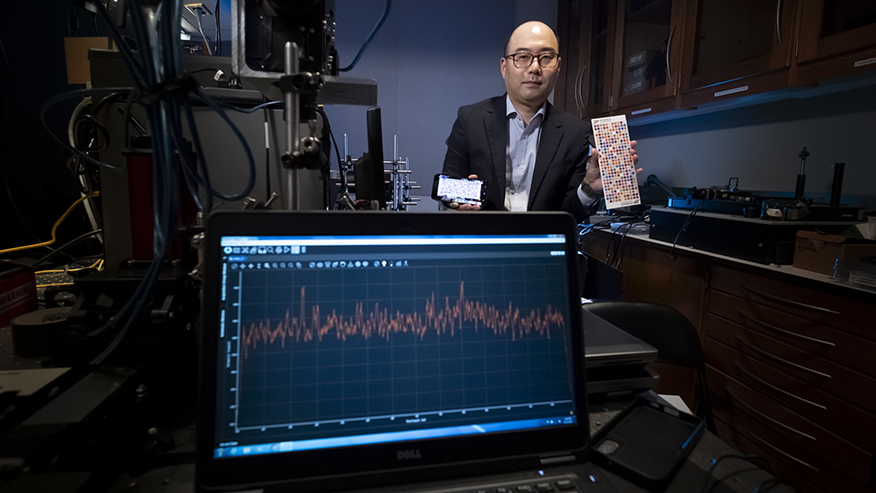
460 190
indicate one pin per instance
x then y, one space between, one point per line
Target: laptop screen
340 339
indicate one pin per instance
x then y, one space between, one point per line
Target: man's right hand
593 177
465 207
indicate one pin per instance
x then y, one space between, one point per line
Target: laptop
609 346
616 361
392 352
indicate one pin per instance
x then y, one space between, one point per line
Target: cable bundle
162 87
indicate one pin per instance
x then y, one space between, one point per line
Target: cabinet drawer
807 465
849 421
809 335
845 456
813 370
834 311
748 446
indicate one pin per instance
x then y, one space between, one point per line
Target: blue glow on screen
374 438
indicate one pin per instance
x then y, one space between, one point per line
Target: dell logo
409 454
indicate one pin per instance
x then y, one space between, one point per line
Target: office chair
669 331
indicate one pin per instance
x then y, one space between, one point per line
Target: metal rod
836 187
291 105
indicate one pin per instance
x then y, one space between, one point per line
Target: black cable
156 70
67 245
620 253
134 123
267 114
97 125
771 483
60 97
144 68
250 161
248 110
370 38
96 107
684 228
748 458
337 154
94 23
218 49
15 262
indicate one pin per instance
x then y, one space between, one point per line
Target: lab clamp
400 180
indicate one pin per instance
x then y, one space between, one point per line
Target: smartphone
647 443
459 190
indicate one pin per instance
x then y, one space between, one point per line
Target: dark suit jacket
478 145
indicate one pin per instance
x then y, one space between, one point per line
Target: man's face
530 85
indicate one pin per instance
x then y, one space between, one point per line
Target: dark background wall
34 176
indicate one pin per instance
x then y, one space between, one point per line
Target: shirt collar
511 111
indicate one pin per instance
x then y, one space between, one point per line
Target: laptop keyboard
564 485
559 484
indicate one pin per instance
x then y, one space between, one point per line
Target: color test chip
617 167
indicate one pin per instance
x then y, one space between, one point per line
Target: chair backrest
666 329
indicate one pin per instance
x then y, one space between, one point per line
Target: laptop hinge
547 461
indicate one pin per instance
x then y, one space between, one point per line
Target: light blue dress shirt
520 158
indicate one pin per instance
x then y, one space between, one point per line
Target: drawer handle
773 387
783 331
780 360
773 420
777 449
792 303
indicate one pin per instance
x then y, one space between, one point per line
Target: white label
861 63
639 112
731 91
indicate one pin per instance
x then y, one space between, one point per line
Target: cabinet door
732 39
587 58
649 37
833 27
570 33
837 38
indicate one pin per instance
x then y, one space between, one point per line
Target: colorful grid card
617 167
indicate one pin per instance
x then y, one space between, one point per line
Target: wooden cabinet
642 57
736 47
648 58
791 368
837 38
790 364
586 52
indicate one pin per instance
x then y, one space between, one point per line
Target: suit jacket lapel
551 136
496 127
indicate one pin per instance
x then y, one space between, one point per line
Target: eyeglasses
524 60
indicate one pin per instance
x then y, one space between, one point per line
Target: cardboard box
18 294
639 59
632 87
76 54
824 253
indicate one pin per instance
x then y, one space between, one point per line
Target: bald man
533 156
